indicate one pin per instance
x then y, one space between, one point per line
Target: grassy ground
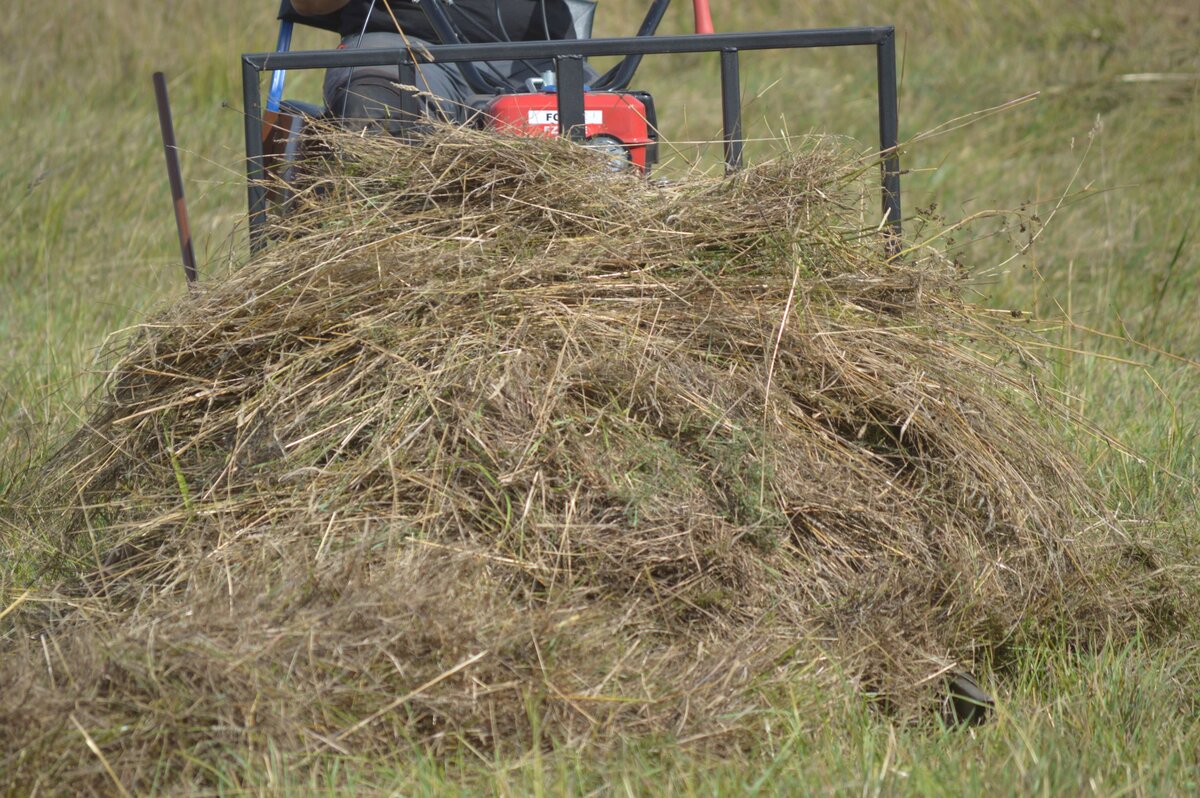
1100 726
1107 156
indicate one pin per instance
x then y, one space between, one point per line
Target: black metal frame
568 55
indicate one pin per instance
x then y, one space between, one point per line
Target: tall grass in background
1096 179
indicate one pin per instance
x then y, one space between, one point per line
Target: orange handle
703 16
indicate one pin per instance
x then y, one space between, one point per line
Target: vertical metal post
572 120
255 168
889 134
731 108
410 106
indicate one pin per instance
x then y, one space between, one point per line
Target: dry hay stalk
491 433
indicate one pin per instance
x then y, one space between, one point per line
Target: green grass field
1106 156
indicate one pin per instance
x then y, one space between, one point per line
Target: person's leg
372 96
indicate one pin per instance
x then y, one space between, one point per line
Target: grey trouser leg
372 92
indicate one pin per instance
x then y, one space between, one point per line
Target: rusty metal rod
175 176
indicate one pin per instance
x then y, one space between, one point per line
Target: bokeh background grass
1107 156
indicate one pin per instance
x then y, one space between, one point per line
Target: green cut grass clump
494 445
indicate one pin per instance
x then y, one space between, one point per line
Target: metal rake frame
568 55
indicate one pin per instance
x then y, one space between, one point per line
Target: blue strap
280 75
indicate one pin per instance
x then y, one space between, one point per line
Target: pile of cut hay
493 438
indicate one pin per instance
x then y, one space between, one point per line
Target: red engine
619 122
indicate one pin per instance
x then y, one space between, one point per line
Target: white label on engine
550 117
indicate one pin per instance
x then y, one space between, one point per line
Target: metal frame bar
572 115
731 108
568 54
889 133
